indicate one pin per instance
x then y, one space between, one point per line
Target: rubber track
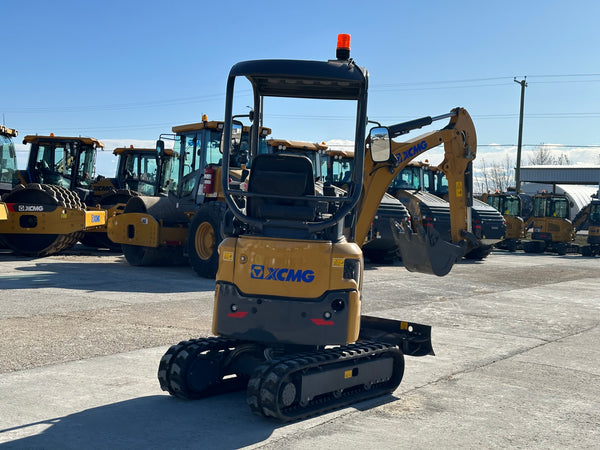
176 362
265 385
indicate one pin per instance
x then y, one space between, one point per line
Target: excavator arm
460 146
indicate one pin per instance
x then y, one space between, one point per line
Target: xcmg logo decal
258 272
19 207
411 152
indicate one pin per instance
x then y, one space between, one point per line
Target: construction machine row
173 223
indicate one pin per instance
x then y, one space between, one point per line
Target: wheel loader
181 225
53 206
287 314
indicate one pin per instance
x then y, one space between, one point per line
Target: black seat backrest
281 174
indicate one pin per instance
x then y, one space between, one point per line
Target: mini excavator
287 311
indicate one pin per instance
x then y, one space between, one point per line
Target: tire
204 238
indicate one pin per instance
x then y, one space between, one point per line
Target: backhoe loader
288 289
182 224
53 206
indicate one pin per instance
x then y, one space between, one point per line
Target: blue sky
124 72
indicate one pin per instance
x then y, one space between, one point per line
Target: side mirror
236 138
236 133
160 147
381 150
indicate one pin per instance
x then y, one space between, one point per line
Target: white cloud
340 144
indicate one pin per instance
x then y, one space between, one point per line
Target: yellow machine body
3 211
289 282
144 230
561 229
60 221
515 227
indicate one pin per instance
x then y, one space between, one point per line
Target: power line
119 106
385 87
540 145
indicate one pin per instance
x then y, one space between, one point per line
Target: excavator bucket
425 251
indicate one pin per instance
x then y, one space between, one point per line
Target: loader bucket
425 251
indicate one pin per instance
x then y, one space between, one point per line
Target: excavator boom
425 251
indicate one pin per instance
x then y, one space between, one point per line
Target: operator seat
285 175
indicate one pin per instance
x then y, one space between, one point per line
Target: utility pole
523 84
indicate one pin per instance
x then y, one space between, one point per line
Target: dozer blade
413 339
425 251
